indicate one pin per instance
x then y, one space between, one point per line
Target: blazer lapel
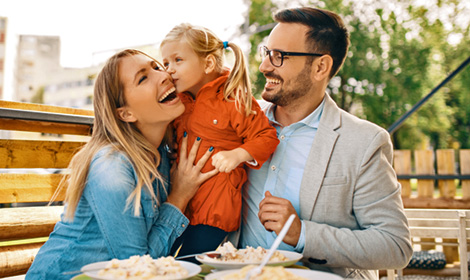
319 157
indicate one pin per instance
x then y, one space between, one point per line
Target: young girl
220 109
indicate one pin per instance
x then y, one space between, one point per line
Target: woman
117 203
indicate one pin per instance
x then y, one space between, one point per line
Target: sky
88 26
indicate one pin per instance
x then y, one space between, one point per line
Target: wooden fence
437 176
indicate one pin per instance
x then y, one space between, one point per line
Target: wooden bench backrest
442 223
18 155
448 224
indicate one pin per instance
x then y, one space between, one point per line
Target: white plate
91 270
309 274
293 257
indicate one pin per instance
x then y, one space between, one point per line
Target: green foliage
260 14
400 50
38 97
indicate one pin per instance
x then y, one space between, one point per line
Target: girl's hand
186 177
226 161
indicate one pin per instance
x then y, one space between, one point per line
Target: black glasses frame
265 51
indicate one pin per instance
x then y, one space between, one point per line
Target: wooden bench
58 133
439 227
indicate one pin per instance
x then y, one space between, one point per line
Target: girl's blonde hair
108 129
204 42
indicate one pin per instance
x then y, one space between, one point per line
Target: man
331 169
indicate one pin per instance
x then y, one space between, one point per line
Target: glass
277 57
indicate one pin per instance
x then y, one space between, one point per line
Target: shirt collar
312 120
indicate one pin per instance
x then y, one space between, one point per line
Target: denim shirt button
183 225
155 206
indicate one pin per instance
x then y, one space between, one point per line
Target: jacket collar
319 157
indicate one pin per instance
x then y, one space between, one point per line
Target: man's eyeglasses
277 57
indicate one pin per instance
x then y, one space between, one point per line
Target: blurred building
3 31
37 63
39 77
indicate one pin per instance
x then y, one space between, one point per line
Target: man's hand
273 214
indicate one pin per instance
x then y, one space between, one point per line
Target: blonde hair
204 42
108 129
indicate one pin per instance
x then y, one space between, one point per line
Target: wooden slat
424 166
28 222
45 127
430 223
402 166
432 232
433 213
16 260
439 203
446 166
29 187
464 170
36 154
44 108
449 271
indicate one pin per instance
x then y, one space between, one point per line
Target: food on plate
228 253
143 268
267 273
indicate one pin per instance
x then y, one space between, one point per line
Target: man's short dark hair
327 33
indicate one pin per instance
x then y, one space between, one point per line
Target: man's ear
126 115
210 64
322 67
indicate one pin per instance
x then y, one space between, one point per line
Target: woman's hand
186 177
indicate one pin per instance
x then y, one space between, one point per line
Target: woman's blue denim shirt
103 228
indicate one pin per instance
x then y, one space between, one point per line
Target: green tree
38 97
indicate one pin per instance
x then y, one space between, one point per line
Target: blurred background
51 51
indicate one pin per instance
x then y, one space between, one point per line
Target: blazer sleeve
381 238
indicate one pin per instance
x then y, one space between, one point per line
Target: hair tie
225 44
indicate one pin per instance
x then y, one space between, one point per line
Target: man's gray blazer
350 199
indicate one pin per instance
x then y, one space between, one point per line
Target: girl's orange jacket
220 125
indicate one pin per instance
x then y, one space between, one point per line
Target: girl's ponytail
238 85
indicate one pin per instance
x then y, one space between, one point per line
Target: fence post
465 170
402 166
446 166
424 163
447 189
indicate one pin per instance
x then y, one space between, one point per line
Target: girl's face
149 93
186 68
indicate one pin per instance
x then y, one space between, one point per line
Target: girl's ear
210 63
125 115
322 67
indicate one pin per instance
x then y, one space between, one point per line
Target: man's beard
298 88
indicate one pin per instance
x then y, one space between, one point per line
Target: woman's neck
153 134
